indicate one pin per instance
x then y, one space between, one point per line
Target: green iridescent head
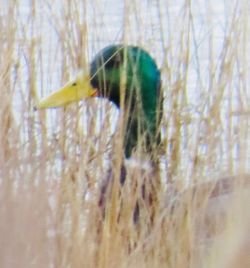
118 71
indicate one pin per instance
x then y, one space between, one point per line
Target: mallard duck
114 72
127 76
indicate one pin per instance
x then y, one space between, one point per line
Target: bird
141 89
127 76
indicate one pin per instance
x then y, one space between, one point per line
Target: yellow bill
75 90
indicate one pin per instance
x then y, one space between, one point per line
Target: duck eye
114 61
117 59
74 84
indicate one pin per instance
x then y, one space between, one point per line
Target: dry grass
51 173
